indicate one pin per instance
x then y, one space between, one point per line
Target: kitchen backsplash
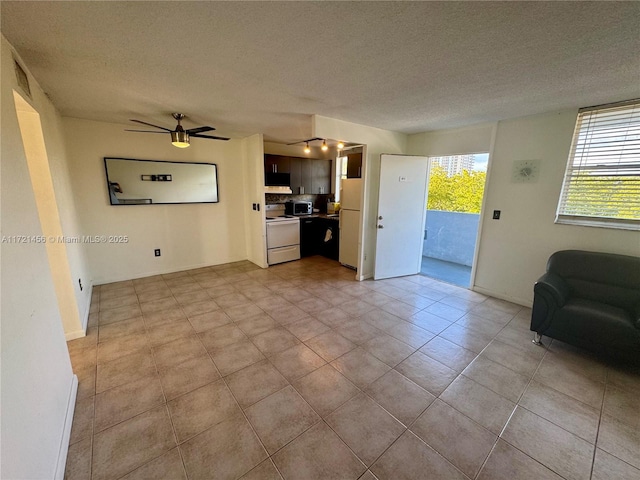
319 201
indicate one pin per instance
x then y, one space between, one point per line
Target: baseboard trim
66 433
501 296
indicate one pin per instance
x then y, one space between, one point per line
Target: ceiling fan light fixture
324 146
180 139
307 149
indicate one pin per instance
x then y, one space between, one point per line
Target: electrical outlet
496 214
156 252
80 283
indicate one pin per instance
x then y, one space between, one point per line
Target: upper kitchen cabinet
321 176
354 165
301 174
277 164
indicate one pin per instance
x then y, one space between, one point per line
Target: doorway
452 216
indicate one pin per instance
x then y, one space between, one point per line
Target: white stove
283 235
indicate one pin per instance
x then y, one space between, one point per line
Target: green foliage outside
459 193
593 195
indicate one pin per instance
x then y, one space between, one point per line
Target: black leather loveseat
591 300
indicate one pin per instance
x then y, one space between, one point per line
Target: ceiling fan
179 136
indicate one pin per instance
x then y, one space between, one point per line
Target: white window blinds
602 181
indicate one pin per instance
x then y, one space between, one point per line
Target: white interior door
401 206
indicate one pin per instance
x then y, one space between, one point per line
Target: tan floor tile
330 345
358 331
456 437
623 405
255 382
118 330
187 286
360 367
410 458
209 320
356 307
178 351
509 463
153 295
400 396
185 299
522 361
130 444
230 449
307 328
564 411
202 408
116 292
222 336
231 300
236 356
549 444
570 383
334 317
280 418
78 465
431 375
467 338
430 322
82 426
325 389
124 370
118 314
193 309
221 290
240 312
158 305
500 379
125 401
318 453
163 317
167 466
620 439
188 376
256 324
297 361
114 349
410 334
448 353
119 301
161 334
478 403
274 341
264 471
445 311
256 293
365 427
626 378
86 381
388 349
114 286
608 467
400 309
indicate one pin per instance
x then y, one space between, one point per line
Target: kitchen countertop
319 215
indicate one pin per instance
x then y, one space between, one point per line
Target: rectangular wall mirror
145 182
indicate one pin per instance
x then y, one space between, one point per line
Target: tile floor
300 372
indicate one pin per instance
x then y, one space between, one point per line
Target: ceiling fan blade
151 125
143 131
193 131
209 136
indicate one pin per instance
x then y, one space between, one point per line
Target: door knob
380 226
380 217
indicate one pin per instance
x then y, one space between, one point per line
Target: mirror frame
106 170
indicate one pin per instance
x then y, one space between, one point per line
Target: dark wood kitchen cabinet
277 164
301 175
321 176
354 165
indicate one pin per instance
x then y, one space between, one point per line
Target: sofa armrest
555 286
636 315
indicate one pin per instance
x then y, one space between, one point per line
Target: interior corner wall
455 141
378 141
37 380
514 250
253 148
189 235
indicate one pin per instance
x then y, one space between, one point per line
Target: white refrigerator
350 198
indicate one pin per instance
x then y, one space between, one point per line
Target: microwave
298 208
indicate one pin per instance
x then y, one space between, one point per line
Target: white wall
189 236
37 381
377 142
458 141
514 250
254 193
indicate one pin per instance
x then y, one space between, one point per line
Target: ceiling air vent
23 80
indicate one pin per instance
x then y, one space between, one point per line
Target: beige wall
189 236
378 142
256 234
37 381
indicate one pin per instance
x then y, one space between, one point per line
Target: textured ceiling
249 67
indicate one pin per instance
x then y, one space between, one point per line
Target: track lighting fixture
324 146
340 145
307 148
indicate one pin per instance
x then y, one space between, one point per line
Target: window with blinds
602 181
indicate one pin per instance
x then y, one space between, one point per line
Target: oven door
283 234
